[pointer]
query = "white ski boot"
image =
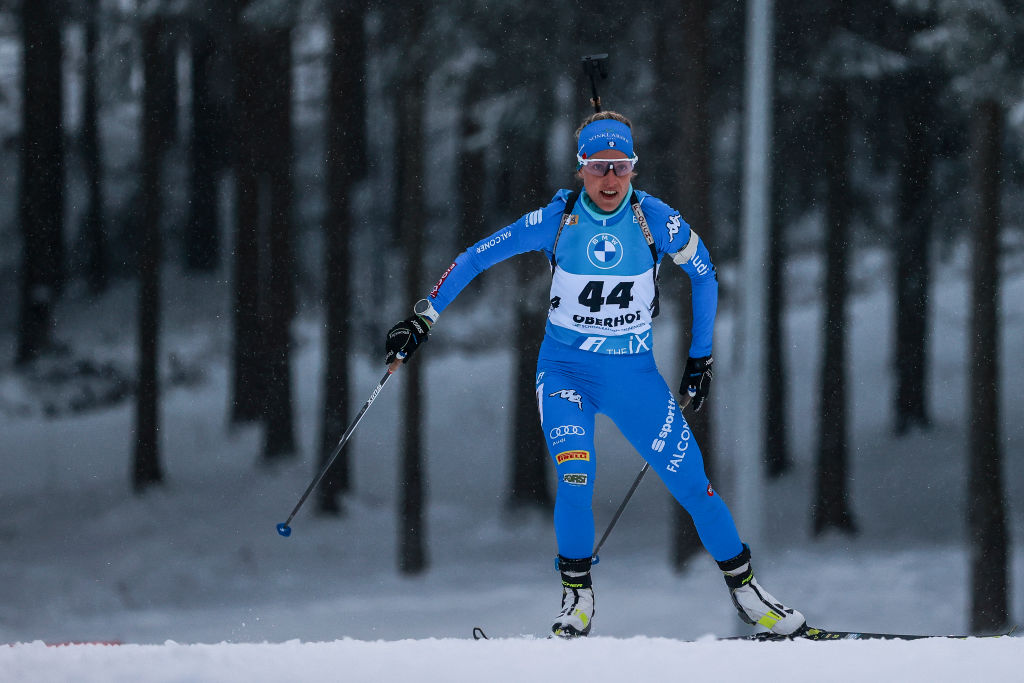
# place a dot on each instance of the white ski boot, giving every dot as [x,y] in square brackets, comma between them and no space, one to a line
[577,613]
[756,605]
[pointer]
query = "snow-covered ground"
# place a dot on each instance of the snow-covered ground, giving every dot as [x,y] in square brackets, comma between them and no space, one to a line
[194,581]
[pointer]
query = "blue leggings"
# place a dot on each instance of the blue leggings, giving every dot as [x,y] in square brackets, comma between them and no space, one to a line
[573,386]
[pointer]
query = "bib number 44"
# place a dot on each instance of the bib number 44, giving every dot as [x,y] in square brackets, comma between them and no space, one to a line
[593,297]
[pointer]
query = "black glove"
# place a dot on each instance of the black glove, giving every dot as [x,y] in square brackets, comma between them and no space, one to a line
[697,380]
[404,338]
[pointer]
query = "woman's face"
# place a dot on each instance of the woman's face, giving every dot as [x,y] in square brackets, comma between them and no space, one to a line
[606,191]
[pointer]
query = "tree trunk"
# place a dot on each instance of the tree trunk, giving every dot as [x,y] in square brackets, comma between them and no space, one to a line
[279,290]
[776,426]
[248,380]
[202,234]
[147,470]
[41,197]
[689,60]
[472,169]
[412,488]
[529,486]
[346,156]
[913,267]
[97,270]
[986,516]
[831,507]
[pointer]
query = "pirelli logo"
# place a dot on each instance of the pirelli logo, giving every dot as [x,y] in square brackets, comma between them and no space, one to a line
[566,456]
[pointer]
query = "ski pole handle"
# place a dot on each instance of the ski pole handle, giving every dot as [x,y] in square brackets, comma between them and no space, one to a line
[397,362]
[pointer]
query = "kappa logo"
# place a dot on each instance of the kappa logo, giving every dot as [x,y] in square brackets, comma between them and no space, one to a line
[569,395]
[604,251]
[566,456]
[673,225]
[567,430]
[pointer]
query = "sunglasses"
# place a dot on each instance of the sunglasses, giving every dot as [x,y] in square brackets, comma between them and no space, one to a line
[600,167]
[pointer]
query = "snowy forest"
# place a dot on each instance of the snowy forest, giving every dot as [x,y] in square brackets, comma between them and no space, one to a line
[212,212]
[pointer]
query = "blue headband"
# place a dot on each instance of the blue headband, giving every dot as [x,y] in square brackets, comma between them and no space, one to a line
[605,134]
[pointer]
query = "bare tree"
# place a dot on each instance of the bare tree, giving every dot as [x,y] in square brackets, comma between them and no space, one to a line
[980,45]
[686,49]
[986,513]
[346,157]
[264,258]
[278,291]
[529,485]
[41,207]
[212,34]
[412,487]
[93,229]
[156,135]
[831,507]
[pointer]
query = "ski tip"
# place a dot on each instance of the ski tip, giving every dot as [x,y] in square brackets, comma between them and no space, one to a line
[284,529]
[478,634]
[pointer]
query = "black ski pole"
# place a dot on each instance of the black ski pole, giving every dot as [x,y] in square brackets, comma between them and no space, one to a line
[594,66]
[283,527]
[629,494]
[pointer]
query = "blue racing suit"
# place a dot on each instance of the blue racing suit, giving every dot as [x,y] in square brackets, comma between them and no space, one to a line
[596,355]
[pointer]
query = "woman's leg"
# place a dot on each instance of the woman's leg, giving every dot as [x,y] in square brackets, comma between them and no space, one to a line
[647,413]
[567,418]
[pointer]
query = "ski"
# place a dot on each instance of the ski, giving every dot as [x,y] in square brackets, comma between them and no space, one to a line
[810,633]
[818,634]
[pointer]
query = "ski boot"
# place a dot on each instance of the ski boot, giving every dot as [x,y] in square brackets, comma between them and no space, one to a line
[574,620]
[756,605]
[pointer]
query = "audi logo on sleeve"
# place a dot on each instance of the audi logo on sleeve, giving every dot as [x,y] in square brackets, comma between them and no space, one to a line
[567,430]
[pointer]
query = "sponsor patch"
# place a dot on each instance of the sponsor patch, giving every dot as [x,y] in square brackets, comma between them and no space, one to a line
[569,395]
[711,491]
[566,456]
[575,479]
[497,239]
[672,225]
[566,430]
[604,251]
[444,276]
[573,219]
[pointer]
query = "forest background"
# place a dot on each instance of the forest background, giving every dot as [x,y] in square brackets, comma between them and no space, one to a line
[327,160]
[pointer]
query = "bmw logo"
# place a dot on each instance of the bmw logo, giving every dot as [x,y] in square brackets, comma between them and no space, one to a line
[604,251]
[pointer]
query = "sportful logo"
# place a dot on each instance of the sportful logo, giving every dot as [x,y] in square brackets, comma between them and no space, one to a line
[604,251]
[534,217]
[666,429]
[567,430]
[569,395]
